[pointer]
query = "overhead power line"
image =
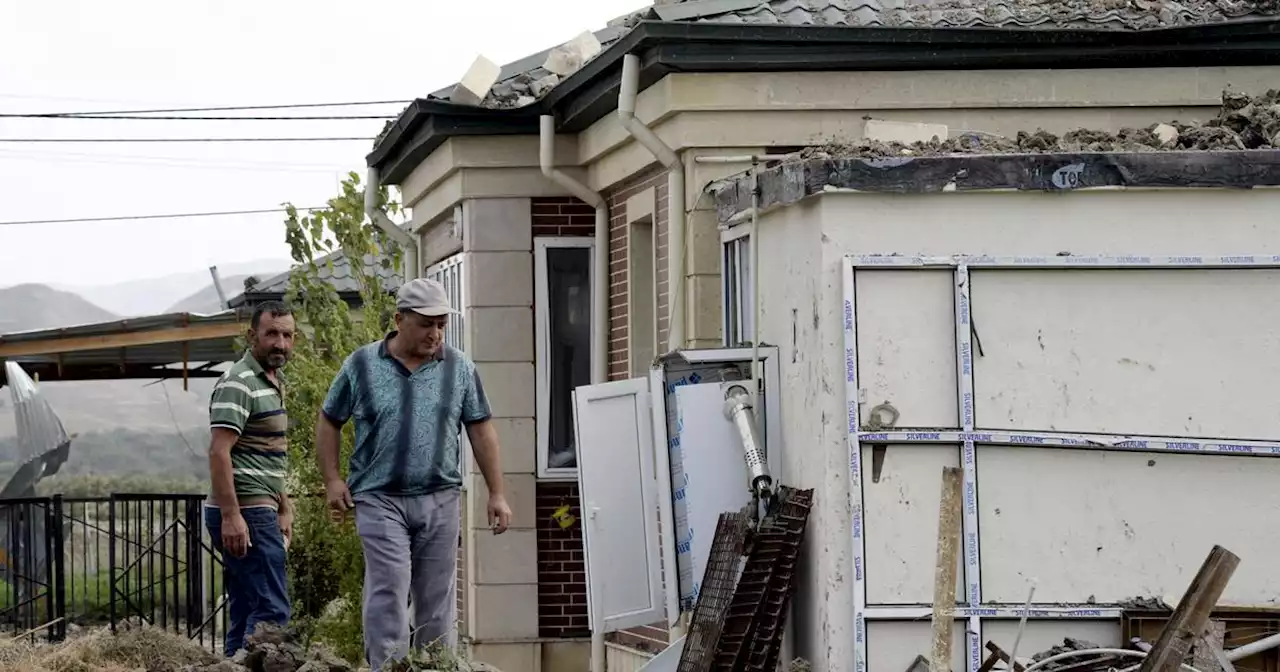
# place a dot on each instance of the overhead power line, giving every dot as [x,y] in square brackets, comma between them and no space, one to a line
[183,215]
[229,108]
[71,140]
[139,117]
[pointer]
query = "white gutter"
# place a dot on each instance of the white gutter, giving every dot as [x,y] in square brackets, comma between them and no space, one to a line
[373,209]
[675,196]
[600,264]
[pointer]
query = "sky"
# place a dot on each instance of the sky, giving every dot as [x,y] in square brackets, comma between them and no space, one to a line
[90,55]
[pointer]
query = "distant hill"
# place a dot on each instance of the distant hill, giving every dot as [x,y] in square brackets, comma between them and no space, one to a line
[152,296]
[25,307]
[206,300]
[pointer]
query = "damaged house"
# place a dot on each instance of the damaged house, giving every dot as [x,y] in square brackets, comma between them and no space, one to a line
[947,270]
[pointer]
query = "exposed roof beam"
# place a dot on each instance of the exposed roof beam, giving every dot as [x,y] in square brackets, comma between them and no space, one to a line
[56,345]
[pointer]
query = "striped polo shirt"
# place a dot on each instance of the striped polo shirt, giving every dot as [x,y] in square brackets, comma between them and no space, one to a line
[407,422]
[246,402]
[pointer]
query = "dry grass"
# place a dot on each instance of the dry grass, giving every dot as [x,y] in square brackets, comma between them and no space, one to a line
[147,649]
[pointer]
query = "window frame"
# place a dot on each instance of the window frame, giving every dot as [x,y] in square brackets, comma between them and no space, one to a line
[542,333]
[447,271]
[736,287]
[452,273]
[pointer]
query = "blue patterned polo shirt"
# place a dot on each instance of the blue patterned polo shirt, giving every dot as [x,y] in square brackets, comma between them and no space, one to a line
[407,423]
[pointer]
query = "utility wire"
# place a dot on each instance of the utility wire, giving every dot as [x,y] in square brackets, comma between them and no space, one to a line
[183,215]
[69,140]
[296,106]
[138,117]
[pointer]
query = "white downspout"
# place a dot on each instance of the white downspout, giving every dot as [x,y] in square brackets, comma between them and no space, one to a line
[600,307]
[675,197]
[373,209]
[600,264]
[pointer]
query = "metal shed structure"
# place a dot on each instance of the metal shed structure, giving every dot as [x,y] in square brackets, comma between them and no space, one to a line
[175,345]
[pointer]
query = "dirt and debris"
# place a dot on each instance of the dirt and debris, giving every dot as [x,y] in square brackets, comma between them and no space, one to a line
[144,648]
[98,650]
[1243,122]
[1145,604]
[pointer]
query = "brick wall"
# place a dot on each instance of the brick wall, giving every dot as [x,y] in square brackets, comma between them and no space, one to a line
[651,638]
[562,587]
[618,291]
[563,216]
[562,578]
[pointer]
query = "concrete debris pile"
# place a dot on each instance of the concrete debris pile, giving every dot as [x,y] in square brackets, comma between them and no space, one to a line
[482,86]
[1243,122]
[274,649]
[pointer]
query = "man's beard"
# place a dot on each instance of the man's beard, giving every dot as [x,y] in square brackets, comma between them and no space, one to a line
[276,359]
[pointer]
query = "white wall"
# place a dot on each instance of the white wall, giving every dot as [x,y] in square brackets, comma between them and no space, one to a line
[1183,353]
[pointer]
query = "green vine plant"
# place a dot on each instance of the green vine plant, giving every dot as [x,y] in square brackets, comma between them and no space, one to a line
[326,563]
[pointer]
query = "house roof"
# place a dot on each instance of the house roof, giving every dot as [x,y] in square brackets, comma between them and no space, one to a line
[842,35]
[1086,14]
[334,268]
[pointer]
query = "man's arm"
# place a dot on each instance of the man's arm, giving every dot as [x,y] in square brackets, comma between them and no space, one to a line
[334,412]
[328,442]
[484,445]
[228,413]
[477,416]
[224,486]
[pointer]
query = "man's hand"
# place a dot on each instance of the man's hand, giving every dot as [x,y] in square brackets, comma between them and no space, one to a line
[286,527]
[499,514]
[339,498]
[235,534]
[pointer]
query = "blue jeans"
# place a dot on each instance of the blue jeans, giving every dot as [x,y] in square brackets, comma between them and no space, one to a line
[256,585]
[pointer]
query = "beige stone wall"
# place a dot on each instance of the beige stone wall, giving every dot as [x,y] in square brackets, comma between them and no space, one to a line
[503,581]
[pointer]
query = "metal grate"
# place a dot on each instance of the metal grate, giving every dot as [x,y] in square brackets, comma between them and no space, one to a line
[752,631]
[718,583]
[452,274]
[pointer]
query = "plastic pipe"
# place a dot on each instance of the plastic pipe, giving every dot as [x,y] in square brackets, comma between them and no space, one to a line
[629,89]
[600,261]
[373,209]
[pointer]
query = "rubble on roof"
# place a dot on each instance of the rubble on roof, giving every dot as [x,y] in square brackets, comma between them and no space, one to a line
[1243,122]
[1084,14]
[476,82]
[565,59]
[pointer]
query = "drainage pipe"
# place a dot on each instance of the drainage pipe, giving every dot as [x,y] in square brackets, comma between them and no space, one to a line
[373,209]
[644,135]
[600,261]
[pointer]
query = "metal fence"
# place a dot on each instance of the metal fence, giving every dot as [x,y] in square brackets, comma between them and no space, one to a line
[114,560]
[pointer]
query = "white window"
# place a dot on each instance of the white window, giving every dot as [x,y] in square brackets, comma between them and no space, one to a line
[451,273]
[739,286]
[562,323]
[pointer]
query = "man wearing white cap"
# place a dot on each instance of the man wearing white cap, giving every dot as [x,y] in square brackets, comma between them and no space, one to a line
[410,395]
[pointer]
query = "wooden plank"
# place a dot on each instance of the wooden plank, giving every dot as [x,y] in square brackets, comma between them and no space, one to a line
[1191,617]
[944,575]
[55,345]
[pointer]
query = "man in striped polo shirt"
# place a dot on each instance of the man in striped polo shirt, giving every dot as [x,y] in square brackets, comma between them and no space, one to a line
[248,513]
[410,395]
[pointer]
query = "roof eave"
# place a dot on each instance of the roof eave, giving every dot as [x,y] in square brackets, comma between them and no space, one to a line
[591,93]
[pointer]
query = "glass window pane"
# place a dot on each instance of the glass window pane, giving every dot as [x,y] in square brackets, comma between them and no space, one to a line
[569,345]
